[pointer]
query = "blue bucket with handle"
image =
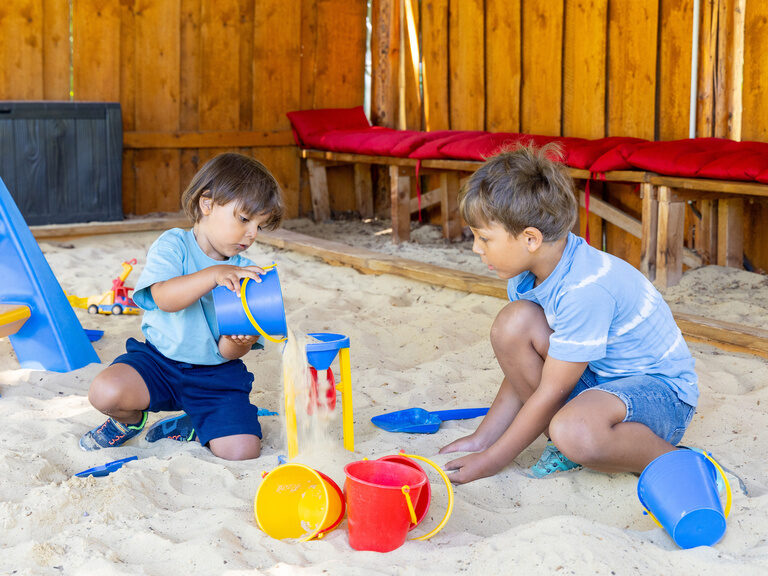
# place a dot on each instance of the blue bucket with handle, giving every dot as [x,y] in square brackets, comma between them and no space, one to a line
[679,491]
[256,308]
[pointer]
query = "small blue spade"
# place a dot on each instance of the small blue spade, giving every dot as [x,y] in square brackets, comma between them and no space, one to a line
[420,421]
[106,469]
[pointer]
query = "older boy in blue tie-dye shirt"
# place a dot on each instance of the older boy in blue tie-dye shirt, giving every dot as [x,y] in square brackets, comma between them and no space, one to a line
[590,352]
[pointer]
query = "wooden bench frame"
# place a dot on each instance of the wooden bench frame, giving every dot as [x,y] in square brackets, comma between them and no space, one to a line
[660,229]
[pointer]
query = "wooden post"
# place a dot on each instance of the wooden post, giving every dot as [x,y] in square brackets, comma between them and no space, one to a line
[400,195]
[730,69]
[364,190]
[730,233]
[385,54]
[318,188]
[669,247]
[649,230]
[449,205]
[706,235]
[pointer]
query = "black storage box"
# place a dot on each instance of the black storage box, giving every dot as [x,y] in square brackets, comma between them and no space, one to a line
[62,161]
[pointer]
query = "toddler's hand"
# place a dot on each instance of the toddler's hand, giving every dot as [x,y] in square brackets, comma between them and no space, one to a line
[242,340]
[230,276]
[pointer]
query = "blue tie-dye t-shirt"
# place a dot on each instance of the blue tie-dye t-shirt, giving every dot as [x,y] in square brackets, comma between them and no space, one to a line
[605,312]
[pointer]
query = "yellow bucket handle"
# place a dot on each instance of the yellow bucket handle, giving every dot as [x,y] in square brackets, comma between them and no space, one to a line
[728,493]
[247,311]
[406,490]
[448,487]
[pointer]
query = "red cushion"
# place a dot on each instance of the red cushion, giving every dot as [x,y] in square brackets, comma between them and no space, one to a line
[309,125]
[584,154]
[740,161]
[432,147]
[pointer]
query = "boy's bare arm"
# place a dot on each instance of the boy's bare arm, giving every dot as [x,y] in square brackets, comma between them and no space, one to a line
[557,380]
[232,347]
[505,407]
[178,293]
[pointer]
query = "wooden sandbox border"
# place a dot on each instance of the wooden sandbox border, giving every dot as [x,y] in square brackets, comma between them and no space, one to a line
[725,335]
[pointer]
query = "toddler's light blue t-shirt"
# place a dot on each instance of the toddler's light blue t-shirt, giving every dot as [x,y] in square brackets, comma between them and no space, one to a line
[605,312]
[189,335]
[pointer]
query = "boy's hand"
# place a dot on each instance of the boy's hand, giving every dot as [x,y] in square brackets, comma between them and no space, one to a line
[236,346]
[464,444]
[230,276]
[471,467]
[242,340]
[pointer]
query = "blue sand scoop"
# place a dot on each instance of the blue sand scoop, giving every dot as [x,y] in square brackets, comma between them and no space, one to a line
[106,469]
[420,421]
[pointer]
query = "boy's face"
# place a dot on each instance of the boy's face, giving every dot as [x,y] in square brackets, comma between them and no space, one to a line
[224,231]
[505,254]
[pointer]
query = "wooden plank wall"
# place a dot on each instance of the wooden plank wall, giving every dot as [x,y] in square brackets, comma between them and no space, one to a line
[591,68]
[193,77]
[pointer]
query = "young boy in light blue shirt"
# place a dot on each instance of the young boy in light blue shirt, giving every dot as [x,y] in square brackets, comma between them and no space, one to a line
[184,363]
[590,352]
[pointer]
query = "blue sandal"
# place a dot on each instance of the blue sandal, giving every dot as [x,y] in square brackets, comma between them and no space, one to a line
[551,461]
[177,428]
[111,434]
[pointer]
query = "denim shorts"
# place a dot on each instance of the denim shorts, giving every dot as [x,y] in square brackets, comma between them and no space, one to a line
[649,400]
[215,397]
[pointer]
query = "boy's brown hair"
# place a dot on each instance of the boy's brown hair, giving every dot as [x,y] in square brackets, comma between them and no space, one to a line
[235,177]
[519,188]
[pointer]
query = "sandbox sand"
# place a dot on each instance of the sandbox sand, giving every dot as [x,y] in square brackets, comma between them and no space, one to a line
[180,510]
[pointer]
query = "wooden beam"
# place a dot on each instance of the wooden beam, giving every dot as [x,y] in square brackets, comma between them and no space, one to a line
[349,158]
[427,199]
[705,185]
[730,233]
[706,236]
[727,335]
[318,187]
[363,190]
[612,214]
[385,65]
[400,197]
[206,139]
[649,234]
[121,227]
[371,262]
[449,205]
[669,245]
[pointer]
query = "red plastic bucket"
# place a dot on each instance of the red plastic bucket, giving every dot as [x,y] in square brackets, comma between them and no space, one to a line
[420,506]
[380,497]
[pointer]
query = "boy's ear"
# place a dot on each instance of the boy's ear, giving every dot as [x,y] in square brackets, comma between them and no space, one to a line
[206,204]
[533,238]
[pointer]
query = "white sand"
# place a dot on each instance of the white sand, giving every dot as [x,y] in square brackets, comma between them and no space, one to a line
[180,510]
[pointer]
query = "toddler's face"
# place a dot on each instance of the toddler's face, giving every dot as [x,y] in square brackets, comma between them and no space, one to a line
[224,231]
[504,254]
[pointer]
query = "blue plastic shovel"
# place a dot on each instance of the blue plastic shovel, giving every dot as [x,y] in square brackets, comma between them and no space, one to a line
[106,469]
[420,421]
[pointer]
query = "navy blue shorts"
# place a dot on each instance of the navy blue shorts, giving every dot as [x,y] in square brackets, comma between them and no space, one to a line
[214,397]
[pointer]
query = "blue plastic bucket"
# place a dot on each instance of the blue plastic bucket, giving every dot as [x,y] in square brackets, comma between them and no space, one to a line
[679,490]
[257,308]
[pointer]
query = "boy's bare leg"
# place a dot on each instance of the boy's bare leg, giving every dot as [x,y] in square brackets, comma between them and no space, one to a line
[520,340]
[590,430]
[119,392]
[236,447]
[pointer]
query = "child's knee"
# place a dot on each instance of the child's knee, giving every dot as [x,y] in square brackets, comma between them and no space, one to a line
[105,391]
[518,321]
[574,437]
[242,447]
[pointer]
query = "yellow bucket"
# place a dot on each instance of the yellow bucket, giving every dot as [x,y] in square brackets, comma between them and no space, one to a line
[296,501]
